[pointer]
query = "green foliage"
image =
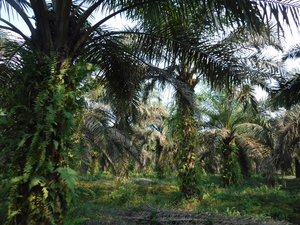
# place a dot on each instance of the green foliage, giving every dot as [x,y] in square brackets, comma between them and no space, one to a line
[159,171]
[37,139]
[97,199]
[250,199]
[231,168]
[130,166]
[68,176]
[185,135]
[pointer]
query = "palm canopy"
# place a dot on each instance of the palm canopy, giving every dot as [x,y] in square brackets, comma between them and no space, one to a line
[101,132]
[222,59]
[62,24]
[65,27]
[287,91]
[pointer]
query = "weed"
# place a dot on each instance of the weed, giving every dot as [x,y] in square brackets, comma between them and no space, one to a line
[232,212]
[278,214]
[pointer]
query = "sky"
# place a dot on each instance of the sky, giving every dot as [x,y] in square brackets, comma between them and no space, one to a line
[118,22]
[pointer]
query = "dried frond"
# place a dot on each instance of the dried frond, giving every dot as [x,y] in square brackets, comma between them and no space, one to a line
[252,147]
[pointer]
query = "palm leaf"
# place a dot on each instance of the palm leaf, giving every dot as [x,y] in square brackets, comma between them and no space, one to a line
[288,91]
[288,139]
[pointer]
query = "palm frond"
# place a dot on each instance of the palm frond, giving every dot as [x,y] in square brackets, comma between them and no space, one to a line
[288,140]
[292,52]
[252,147]
[257,132]
[86,158]
[288,91]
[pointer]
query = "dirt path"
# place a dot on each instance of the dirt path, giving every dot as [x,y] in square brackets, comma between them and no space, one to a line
[152,216]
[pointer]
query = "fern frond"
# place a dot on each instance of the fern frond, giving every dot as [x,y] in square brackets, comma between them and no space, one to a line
[37,180]
[68,175]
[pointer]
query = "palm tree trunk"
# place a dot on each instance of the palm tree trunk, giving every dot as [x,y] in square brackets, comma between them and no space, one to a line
[95,165]
[159,167]
[103,163]
[50,126]
[187,170]
[187,132]
[33,198]
[231,166]
[297,165]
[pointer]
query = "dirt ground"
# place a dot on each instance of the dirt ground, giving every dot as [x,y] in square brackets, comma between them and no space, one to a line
[153,216]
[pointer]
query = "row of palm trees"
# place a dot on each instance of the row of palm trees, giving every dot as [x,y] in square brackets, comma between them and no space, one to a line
[44,75]
[264,143]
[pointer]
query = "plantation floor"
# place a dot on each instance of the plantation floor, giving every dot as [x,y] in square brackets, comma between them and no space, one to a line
[154,201]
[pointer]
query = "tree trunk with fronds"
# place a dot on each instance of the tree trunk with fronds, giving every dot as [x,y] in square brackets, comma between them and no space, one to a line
[187,172]
[42,138]
[44,102]
[231,167]
[187,136]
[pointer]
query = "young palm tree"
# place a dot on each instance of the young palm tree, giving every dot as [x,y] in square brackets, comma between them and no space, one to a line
[152,129]
[237,133]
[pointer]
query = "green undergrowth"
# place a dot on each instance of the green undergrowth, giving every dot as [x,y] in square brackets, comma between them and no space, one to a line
[252,198]
[3,207]
[98,198]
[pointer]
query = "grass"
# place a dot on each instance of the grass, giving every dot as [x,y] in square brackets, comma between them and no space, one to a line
[253,198]
[100,197]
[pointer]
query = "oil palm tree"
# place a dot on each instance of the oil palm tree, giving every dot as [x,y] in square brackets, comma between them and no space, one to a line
[142,140]
[152,129]
[101,130]
[51,68]
[240,136]
[52,62]
[287,140]
[233,62]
